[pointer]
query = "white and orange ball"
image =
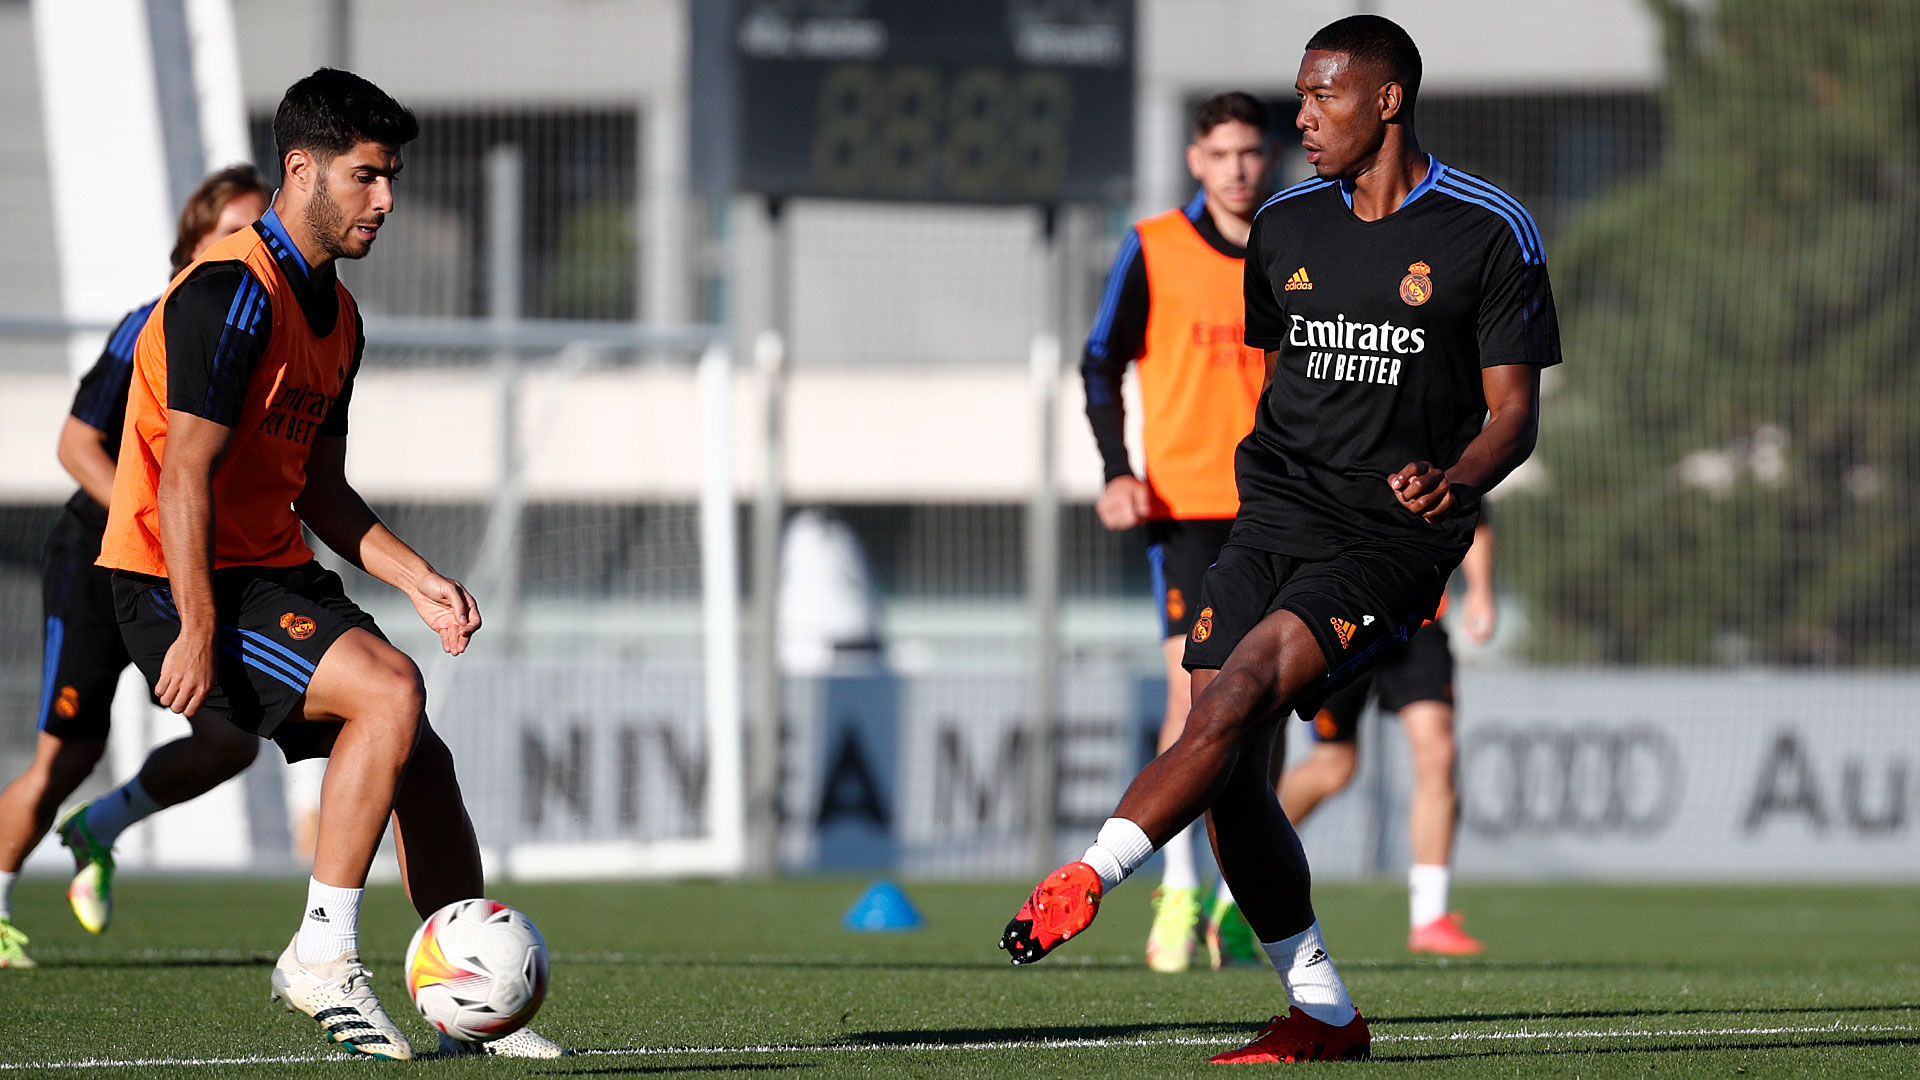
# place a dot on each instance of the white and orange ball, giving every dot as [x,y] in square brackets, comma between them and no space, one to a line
[477,970]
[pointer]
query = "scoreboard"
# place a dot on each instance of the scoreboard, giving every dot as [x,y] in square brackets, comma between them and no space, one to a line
[990,101]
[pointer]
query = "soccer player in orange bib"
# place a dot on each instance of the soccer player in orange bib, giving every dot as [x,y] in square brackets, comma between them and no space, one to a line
[1405,312]
[235,438]
[84,651]
[1172,307]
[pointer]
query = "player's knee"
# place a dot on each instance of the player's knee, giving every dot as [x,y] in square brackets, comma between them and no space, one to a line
[1336,769]
[397,691]
[1434,764]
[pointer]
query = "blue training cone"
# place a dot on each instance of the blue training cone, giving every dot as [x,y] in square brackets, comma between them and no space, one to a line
[882,907]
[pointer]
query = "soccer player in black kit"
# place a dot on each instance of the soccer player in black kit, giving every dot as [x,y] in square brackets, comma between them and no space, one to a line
[1405,313]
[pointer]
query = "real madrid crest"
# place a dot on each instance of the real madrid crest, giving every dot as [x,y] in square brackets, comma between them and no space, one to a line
[1417,288]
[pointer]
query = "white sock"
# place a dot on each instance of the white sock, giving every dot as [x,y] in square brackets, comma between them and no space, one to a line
[109,815]
[1179,872]
[1118,851]
[331,925]
[1427,886]
[1223,894]
[6,893]
[1307,972]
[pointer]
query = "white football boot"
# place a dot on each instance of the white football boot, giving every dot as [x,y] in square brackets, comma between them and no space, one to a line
[339,994]
[525,1043]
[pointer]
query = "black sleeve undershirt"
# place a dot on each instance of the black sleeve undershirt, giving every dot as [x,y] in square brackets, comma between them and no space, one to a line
[217,325]
[1119,335]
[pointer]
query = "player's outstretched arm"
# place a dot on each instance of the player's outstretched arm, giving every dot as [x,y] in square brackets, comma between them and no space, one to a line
[344,522]
[185,497]
[1513,423]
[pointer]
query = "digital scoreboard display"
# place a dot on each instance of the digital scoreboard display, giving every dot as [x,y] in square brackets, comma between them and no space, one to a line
[991,101]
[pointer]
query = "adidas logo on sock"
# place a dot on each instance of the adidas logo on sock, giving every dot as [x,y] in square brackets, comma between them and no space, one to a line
[318,914]
[1319,957]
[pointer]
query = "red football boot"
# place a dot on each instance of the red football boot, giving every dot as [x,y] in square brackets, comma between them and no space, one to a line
[1060,907]
[1299,1037]
[1443,937]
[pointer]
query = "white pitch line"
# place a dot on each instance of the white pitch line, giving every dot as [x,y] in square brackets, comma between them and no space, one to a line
[1008,1044]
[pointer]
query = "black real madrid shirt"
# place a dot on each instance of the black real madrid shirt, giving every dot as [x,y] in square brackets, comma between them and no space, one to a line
[1382,328]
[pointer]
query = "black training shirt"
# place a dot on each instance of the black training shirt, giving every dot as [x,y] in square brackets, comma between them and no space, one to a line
[1382,329]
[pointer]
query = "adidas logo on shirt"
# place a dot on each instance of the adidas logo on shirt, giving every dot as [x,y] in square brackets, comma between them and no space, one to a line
[1299,281]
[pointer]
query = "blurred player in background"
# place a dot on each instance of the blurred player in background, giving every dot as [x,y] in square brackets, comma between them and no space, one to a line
[1172,306]
[84,653]
[1414,680]
[1405,312]
[235,439]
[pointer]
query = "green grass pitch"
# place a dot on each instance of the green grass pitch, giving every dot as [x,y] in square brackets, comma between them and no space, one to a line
[716,977]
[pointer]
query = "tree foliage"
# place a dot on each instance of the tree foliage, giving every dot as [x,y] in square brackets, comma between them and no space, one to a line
[1727,449]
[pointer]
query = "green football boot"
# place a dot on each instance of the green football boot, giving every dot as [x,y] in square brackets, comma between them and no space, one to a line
[1229,939]
[91,893]
[1176,918]
[13,946]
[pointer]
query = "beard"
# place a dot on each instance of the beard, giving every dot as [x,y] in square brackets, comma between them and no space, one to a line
[328,224]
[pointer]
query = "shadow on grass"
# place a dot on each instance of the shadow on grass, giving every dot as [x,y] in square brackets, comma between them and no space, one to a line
[653,1070]
[136,963]
[1617,1014]
[1030,1034]
[828,963]
[1861,1042]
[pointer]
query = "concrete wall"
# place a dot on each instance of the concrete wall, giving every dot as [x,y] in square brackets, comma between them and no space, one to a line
[28,281]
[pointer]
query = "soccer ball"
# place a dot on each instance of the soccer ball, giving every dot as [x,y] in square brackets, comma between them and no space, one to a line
[477,970]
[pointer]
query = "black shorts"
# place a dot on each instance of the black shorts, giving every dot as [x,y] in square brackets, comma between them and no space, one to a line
[1420,670]
[275,623]
[1357,605]
[1179,553]
[84,654]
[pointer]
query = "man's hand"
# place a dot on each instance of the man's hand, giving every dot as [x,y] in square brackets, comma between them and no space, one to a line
[186,674]
[1478,615]
[1423,489]
[1124,503]
[447,609]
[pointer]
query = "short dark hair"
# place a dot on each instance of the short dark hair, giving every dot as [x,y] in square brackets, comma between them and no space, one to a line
[331,110]
[1374,40]
[205,205]
[1226,108]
